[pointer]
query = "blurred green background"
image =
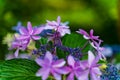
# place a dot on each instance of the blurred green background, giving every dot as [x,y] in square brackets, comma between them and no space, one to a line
[101,15]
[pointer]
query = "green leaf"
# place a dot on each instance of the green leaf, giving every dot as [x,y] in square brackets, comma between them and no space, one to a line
[74,40]
[18,69]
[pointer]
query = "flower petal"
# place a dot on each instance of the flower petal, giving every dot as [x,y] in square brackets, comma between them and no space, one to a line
[40,62]
[43,72]
[96,70]
[56,76]
[38,30]
[63,70]
[71,76]
[94,76]
[48,56]
[91,58]
[29,27]
[59,63]
[71,60]
[83,32]
[16,53]
[23,31]
[91,32]
[36,37]
[83,75]
[58,19]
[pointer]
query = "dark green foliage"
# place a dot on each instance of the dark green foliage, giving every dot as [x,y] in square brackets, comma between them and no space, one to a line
[18,69]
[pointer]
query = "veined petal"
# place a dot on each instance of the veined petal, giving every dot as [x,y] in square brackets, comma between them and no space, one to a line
[59,63]
[23,31]
[71,61]
[70,76]
[36,37]
[29,27]
[91,58]
[49,56]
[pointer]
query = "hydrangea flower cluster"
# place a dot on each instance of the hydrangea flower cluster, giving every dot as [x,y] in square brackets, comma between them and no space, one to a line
[73,66]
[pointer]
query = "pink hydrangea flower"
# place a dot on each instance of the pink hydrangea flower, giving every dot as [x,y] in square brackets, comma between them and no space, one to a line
[58,26]
[49,66]
[30,32]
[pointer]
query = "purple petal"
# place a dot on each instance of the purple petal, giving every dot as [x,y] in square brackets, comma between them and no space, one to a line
[29,27]
[56,76]
[83,32]
[49,56]
[91,58]
[23,31]
[38,30]
[63,70]
[94,76]
[16,53]
[36,37]
[70,76]
[51,23]
[59,63]
[49,27]
[83,75]
[84,64]
[71,61]
[43,72]
[96,70]
[40,62]
[91,32]
[58,19]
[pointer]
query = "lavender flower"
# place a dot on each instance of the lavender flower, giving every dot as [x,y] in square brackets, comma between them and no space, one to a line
[92,68]
[49,66]
[19,45]
[30,32]
[58,26]
[74,69]
[90,36]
